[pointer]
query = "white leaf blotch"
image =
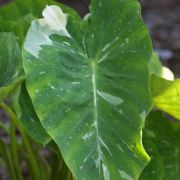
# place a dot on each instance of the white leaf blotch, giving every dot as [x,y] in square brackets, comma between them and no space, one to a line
[110,98]
[120,148]
[87,136]
[105,172]
[124,175]
[56,19]
[103,144]
[54,22]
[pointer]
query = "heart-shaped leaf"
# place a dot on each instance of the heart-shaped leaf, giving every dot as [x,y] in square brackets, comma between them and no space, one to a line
[88,82]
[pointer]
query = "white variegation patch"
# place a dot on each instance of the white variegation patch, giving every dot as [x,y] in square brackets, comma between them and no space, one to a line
[105,172]
[125,175]
[110,98]
[54,22]
[56,19]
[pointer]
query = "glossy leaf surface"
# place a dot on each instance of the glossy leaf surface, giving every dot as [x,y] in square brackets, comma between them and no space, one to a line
[89,86]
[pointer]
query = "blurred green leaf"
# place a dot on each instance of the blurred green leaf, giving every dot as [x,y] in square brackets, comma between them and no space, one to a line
[29,119]
[155,66]
[10,64]
[166,95]
[161,140]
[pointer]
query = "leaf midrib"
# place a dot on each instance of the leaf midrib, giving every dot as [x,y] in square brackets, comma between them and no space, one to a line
[94,84]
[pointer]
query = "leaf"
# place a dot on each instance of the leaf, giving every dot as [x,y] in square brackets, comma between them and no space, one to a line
[10,64]
[25,111]
[164,137]
[155,66]
[18,27]
[17,15]
[89,87]
[166,95]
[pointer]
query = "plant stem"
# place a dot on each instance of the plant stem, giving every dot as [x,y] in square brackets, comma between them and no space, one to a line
[8,159]
[3,126]
[14,151]
[32,159]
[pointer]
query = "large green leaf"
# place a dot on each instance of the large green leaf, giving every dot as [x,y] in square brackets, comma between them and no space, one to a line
[164,148]
[166,95]
[10,64]
[89,87]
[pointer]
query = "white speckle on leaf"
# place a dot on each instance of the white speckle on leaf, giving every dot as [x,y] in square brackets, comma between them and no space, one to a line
[126,145]
[143,116]
[109,44]
[110,98]
[105,172]
[87,136]
[127,40]
[122,45]
[72,51]
[75,83]
[106,46]
[150,133]
[42,72]
[124,175]
[120,111]
[103,58]
[51,86]
[37,90]
[32,120]
[99,159]
[168,166]
[104,144]
[66,43]
[120,148]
